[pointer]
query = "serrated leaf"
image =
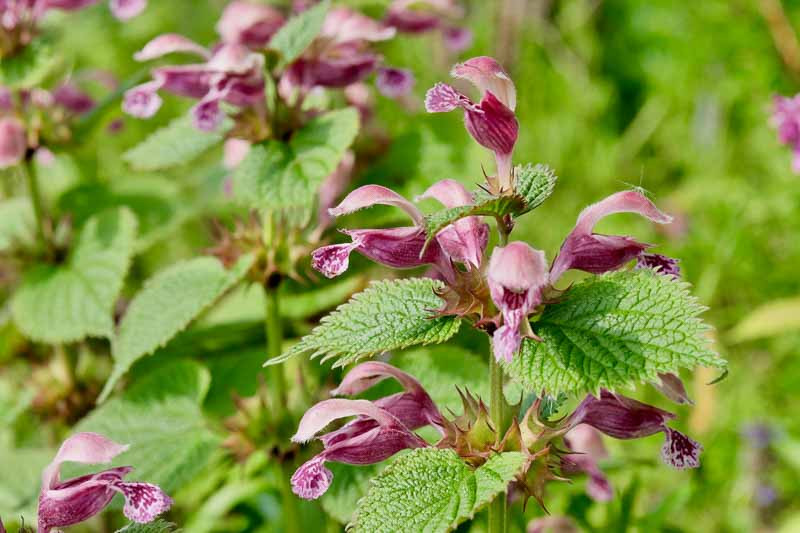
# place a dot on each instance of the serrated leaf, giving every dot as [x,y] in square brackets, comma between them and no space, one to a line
[432,490]
[387,316]
[296,35]
[177,143]
[283,177]
[485,205]
[166,305]
[161,419]
[156,526]
[68,302]
[614,331]
[30,66]
[534,184]
[17,224]
[773,318]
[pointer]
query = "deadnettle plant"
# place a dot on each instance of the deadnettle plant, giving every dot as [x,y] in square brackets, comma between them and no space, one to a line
[67,502]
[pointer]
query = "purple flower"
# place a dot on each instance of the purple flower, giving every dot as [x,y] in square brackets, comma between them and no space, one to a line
[394,82]
[121,9]
[403,247]
[74,100]
[517,274]
[625,418]
[491,122]
[64,503]
[588,448]
[248,23]
[232,74]
[13,143]
[387,437]
[457,39]
[595,253]
[671,386]
[786,118]
[417,16]
[338,57]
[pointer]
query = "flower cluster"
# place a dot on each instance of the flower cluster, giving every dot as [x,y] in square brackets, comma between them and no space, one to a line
[415,16]
[67,502]
[19,18]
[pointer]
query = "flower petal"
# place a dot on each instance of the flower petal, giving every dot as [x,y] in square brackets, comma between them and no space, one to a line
[87,448]
[325,412]
[492,125]
[169,43]
[442,98]
[249,23]
[13,143]
[680,451]
[621,202]
[312,479]
[346,25]
[457,39]
[367,375]
[620,417]
[667,266]
[370,195]
[394,82]
[671,386]
[334,259]
[143,100]
[143,501]
[487,75]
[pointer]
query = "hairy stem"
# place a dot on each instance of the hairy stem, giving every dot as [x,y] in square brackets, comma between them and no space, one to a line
[497,408]
[36,199]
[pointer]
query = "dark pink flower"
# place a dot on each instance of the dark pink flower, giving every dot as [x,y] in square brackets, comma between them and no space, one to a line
[517,274]
[387,437]
[625,418]
[64,503]
[249,23]
[595,253]
[671,386]
[491,122]
[73,99]
[121,9]
[417,16]
[394,82]
[457,39]
[786,119]
[668,266]
[13,143]
[394,247]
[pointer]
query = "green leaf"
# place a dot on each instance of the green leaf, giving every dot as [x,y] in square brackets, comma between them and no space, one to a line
[166,305]
[352,481]
[534,184]
[160,418]
[30,66]
[432,490]
[177,143]
[296,35]
[285,177]
[19,486]
[773,318]
[485,205]
[66,303]
[387,316]
[17,224]
[613,331]
[157,526]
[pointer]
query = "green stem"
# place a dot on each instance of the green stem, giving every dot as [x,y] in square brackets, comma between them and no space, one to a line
[497,408]
[36,199]
[274,332]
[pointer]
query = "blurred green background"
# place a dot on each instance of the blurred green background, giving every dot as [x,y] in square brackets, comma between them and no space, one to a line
[671,96]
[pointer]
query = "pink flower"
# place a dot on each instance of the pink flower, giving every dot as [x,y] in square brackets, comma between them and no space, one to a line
[417,16]
[64,503]
[381,429]
[625,418]
[457,39]
[232,74]
[404,247]
[394,82]
[491,122]
[517,274]
[249,23]
[596,253]
[13,143]
[667,266]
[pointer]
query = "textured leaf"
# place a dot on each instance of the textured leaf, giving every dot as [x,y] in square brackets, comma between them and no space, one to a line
[175,144]
[773,318]
[30,66]
[387,316]
[485,205]
[169,301]
[17,225]
[535,184]
[298,32]
[613,331]
[66,303]
[285,177]
[160,418]
[432,490]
